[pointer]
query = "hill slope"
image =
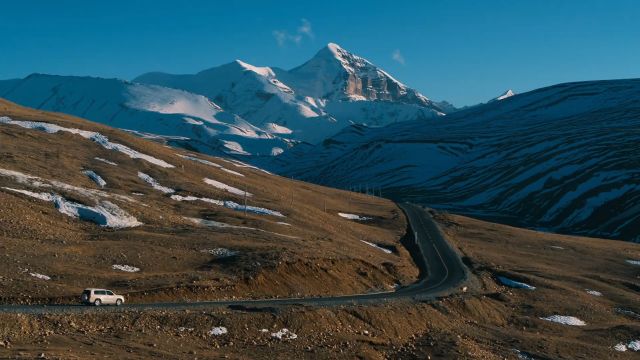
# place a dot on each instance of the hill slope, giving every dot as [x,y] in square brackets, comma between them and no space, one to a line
[559,158]
[86,205]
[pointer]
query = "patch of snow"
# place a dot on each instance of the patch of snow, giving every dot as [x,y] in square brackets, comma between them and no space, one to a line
[218,330]
[354,217]
[38,182]
[264,330]
[253,209]
[515,284]
[593,292]
[95,177]
[195,198]
[104,213]
[377,247]
[284,334]
[226,187]
[154,184]
[523,355]
[40,276]
[220,253]
[106,161]
[137,193]
[276,151]
[632,345]
[283,223]
[90,135]
[620,347]
[125,268]
[507,94]
[557,247]
[182,329]
[234,147]
[222,225]
[41,196]
[231,172]
[202,161]
[241,164]
[276,129]
[565,320]
[633,262]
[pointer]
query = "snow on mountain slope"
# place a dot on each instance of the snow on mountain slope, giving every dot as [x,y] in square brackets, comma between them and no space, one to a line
[560,158]
[315,100]
[507,94]
[336,74]
[145,109]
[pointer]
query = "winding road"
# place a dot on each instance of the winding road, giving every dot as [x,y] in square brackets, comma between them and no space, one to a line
[441,271]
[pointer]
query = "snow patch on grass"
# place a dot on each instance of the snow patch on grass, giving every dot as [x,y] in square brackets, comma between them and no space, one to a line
[232,172]
[104,213]
[514,284]
[377,247]
[202,161]
[90,135]
[40,276]
[95,177]
[38,182]
[220,253]
[154,184]
[283,223]
[633,345]
[284,334]
[221,225]
[225,187]
[633,262]
[125,268]
[565,320]
[218,330]
[593,292]
[354,217]
[106,161]
[195,198]
[253,209]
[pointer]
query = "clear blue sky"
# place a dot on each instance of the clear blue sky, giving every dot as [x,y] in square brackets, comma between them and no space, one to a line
[461,51]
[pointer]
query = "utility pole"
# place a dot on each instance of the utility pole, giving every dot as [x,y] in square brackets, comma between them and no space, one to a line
[245,201]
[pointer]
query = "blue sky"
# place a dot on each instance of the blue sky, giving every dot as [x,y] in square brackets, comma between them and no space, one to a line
[461,51]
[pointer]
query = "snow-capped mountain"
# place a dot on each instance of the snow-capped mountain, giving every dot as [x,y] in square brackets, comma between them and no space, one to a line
[315,100]
[180,117]
[561,158]
[507,94]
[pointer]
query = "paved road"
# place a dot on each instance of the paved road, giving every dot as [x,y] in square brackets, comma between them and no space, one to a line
[441,272]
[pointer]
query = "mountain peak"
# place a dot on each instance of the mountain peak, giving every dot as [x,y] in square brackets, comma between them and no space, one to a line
[260,70]
[507,94]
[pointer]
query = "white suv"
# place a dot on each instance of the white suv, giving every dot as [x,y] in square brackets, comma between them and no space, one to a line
[98,297]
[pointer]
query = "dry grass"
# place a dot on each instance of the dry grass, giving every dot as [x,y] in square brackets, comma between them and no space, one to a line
[326,256]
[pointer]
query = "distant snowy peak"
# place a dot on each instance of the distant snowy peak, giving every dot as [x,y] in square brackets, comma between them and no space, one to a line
[507,94]
[336,74]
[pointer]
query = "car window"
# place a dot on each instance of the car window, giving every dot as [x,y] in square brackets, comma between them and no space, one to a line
[109,292]
[100,292]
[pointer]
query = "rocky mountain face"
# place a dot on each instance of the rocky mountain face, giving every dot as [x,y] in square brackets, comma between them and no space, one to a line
[558,159]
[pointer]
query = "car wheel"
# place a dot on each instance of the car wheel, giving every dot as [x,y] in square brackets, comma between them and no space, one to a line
[97,302]
[118,302]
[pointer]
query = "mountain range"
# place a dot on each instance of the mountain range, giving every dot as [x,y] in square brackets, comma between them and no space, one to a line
[559,159]
[235,109]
